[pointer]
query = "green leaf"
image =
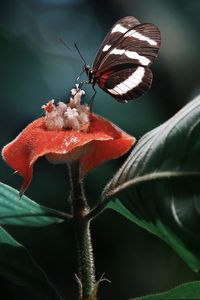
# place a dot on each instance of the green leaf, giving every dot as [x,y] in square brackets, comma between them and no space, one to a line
[187,291]
[17,265]
[159,184]
[23,211]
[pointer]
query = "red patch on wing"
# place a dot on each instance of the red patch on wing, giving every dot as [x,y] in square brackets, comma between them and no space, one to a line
[103,78]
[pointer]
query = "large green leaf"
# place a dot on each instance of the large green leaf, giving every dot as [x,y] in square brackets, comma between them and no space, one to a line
[187,291]
[159,184]
[17,265]
[23,211]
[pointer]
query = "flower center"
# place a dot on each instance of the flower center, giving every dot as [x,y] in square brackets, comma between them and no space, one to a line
[73,115]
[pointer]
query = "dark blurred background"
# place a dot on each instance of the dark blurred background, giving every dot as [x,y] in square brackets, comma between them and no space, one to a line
[36,67]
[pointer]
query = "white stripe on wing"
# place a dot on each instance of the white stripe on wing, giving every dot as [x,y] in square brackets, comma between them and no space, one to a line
[132,54]
[119,28]
[128,84]
[106,47]
[133,33]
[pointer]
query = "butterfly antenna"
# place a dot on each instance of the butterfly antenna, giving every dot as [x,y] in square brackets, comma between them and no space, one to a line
[81,56]
[63,42]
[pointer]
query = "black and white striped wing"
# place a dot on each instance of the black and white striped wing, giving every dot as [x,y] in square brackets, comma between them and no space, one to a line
[121,67]
[113,37]
[137,46]
[127,84]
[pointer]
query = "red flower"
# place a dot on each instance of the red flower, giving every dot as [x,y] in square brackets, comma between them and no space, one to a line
[91,140]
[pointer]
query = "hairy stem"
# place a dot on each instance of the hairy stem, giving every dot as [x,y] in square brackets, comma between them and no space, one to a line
[85,278]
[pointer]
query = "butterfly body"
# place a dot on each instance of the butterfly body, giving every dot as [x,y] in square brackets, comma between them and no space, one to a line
[121,66]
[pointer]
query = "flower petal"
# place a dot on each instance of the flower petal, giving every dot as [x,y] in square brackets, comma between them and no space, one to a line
[101,142]
[100,152]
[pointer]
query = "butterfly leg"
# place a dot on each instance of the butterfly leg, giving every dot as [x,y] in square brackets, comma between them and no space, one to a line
[92,98]
[77,79]
[79,85]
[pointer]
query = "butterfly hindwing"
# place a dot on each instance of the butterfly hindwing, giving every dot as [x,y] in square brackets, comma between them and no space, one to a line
[126,84]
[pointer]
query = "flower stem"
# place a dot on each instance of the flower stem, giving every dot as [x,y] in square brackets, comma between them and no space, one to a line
[86,277]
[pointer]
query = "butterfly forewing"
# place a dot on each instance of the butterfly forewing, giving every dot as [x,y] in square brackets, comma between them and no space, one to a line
[138,46]
[113,37]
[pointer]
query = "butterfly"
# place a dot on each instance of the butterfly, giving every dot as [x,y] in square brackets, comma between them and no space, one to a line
[121,65]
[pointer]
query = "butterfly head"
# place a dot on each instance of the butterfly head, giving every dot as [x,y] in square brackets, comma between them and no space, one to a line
[90,73]
[86,69]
